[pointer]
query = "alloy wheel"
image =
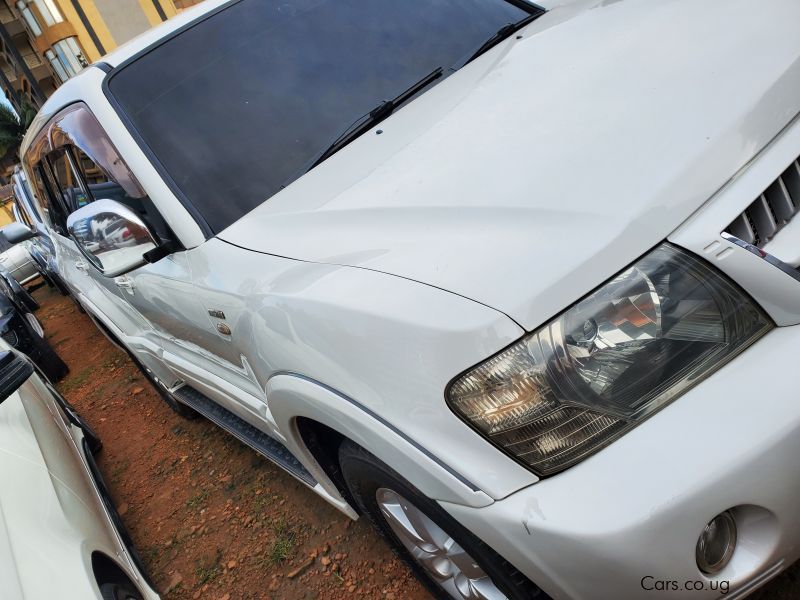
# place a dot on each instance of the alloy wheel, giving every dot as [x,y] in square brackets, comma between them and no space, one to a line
[435,551]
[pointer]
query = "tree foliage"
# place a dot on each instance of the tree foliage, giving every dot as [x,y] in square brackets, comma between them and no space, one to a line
[13,127]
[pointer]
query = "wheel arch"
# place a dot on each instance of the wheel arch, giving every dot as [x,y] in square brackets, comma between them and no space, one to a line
[314,419]
[107,570]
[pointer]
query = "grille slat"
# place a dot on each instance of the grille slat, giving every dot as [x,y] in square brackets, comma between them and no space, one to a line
[778,198]
[741,229]
[764,222]
[771,211]
[792,180]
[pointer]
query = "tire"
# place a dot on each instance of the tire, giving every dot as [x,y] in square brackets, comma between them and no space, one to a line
[369,480]
[119,591]
[28,301]
[51,364]
[93,441]
[181,409]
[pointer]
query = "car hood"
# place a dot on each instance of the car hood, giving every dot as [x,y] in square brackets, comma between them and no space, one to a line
[45,504]
[553,161]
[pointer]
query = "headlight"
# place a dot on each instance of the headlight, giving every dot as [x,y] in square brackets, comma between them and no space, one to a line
[609,362]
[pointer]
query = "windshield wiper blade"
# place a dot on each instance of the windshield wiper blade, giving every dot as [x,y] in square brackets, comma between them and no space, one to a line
[503,33]
[375,116]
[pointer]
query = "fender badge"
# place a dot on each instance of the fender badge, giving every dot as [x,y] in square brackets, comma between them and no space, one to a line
[223,329]
[217,314]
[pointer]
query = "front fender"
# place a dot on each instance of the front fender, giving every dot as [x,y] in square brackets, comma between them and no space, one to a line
[290,396]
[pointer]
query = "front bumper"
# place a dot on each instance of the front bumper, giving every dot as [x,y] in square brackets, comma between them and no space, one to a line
[629,517]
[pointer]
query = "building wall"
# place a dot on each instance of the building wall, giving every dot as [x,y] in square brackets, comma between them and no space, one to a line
[123,18]
[102,25]
[51,40]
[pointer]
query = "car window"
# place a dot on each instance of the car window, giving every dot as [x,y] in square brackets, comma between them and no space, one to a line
[25,198]
[100,184]
[53,212]
[238,105]
[22,211]
[85,167]
[69,184]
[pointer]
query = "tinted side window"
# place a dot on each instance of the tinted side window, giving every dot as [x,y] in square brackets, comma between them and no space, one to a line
[22,211]
[53,212]
[73,162]
[102,185]
[70,187]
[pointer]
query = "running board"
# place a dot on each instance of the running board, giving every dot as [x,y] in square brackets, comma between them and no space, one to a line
[258,440]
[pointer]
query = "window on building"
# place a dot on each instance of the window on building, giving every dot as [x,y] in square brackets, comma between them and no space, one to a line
[30,18]
[61,72]
[66,58]
[49,12]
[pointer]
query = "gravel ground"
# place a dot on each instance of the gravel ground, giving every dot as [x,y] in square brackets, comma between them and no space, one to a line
[210,517]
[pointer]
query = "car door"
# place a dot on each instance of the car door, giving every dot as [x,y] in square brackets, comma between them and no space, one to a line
[154,308]
[70,261]
[102,296]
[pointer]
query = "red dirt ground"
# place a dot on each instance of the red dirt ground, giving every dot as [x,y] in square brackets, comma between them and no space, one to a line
[210,517]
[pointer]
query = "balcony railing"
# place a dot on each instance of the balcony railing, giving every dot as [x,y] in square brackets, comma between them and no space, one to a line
[6,16]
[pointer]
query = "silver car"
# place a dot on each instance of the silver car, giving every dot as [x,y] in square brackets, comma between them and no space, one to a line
[18,261]
[60,536]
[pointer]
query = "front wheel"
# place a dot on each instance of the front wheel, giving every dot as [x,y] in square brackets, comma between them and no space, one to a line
[449,560]
[28,301]
[119,591]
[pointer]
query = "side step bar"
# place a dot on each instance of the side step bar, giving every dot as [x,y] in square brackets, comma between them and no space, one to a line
[258,440]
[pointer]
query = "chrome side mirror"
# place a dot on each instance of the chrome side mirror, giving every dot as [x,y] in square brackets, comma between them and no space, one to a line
[17,232]
[111,236]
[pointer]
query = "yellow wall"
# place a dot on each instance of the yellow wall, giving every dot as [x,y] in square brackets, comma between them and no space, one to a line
[99,26]
[6,216]
[101,29]
[152,14]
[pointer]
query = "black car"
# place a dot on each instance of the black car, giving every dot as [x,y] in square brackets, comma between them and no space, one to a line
[14,290]
[22,330]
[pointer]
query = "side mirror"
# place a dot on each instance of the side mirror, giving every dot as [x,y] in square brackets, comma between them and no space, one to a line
[111,236]
[17,232]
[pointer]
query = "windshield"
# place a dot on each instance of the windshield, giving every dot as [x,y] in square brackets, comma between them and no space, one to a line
[237,105]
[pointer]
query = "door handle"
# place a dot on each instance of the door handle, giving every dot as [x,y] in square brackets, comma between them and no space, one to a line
[81,266]
[125,283]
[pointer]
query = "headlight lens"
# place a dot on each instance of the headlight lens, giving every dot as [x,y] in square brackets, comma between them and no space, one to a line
[603,366]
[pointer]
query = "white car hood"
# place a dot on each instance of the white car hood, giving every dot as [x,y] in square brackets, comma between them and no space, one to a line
[543,168]
[46,506]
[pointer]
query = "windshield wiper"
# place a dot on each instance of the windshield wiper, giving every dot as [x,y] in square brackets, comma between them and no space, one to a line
[375,116]
[503,33]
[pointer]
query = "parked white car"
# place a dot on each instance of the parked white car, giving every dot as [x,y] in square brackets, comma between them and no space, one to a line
[518,283]
[60,535]
[19,263]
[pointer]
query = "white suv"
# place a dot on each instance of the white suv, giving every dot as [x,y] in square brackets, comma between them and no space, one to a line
[499,276]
